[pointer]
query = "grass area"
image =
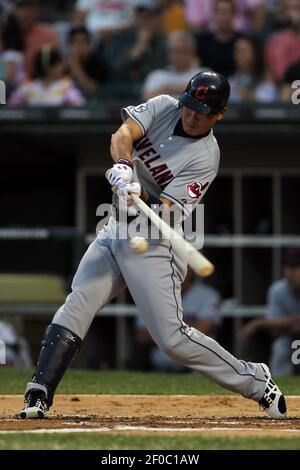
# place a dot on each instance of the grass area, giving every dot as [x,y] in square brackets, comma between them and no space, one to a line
[118,442]
[12,381]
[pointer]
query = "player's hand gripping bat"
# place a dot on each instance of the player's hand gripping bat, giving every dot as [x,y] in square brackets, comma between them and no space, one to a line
[200,265]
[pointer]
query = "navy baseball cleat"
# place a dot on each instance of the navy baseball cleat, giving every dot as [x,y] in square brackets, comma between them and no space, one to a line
[272,401]
[35,405]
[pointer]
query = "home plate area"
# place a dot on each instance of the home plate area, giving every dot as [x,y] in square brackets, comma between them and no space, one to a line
[152,413]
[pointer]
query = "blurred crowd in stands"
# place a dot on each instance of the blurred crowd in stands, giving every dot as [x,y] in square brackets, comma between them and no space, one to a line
[73,52]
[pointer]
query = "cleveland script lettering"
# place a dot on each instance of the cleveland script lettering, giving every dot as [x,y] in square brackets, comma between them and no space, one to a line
[161,173]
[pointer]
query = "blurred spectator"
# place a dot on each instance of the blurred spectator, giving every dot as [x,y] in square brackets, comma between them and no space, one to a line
[283,12]
[250,15]
[282,324]
[35,34]
[11,35]
[12,70]
[49,87]
[183,65]
[131,54]
[12,59]
[282,49]
[85,66]
[5,9]
[198,14]
[292,75]
[17,353]
[276,13]
[215,48]
[105,15]
[200,304]
[148,47]
[273,5]
[172,16]
[250,81]
[275,18]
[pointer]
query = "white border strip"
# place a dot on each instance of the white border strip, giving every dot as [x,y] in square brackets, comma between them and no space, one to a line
[142,428]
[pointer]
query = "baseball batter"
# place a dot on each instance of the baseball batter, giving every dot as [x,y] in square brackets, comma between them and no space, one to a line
[166,153]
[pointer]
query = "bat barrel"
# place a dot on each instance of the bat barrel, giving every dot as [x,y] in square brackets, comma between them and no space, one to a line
[201,265]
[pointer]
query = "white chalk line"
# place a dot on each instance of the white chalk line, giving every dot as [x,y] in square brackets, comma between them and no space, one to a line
[142,428]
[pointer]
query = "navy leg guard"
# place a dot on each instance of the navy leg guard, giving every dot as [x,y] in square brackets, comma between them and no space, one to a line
[59,348]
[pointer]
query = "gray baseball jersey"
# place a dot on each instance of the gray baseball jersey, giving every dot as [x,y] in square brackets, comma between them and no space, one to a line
[180,169]
[169,165]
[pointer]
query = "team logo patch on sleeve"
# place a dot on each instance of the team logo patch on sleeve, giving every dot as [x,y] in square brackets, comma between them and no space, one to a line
[140,108]
[194,190]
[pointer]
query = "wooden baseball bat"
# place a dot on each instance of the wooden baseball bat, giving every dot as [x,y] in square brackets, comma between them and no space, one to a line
[184,249]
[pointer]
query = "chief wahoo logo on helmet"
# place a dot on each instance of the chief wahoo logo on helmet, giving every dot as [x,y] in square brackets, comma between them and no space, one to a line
[206,93]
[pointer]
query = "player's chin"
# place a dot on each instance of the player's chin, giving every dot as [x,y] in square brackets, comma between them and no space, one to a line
[193,130]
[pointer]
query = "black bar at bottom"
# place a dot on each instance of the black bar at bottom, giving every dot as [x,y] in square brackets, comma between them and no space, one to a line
[139,458]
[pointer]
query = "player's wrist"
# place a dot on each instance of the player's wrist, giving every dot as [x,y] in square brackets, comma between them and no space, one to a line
[144,195]
[125,161]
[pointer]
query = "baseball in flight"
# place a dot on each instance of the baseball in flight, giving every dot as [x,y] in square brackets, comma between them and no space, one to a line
[138,245]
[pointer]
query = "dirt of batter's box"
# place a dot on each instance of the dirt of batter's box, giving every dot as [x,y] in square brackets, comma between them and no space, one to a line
[151,411]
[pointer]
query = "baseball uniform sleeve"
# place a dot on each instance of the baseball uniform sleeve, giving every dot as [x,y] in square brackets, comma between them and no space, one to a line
[144,114]
[187,189]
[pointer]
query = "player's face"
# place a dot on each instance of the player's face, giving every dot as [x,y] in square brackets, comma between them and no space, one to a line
[292,274]
[195,123]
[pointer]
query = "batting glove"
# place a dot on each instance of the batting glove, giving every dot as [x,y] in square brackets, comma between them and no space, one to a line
[125,190]
[119,173]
